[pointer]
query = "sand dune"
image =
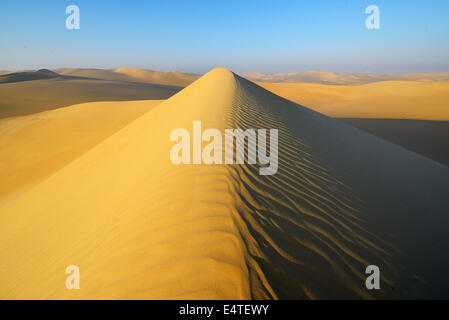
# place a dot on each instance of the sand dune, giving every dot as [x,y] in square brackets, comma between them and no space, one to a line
[184,79]
[132,74]
[325,77]
[139,226]
[386,100]
[167,78]
[34,146]
[22,98]
[103,74]
[29,76]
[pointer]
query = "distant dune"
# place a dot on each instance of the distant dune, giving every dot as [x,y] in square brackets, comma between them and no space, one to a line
[333,78]
[132,74]
[140,227]
[167,78]
[184,79]
[27,97]
[386,99]
[29,76]
[103,74]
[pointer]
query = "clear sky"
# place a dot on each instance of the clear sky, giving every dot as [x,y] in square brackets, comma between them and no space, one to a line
[242,35]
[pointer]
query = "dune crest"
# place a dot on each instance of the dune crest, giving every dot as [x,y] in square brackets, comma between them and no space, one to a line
[140,227]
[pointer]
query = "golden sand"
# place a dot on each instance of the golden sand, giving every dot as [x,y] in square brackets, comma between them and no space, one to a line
[386,99]
[140,227]
[34,146]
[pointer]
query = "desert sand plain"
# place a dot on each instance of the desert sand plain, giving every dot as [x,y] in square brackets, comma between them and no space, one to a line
[87,180]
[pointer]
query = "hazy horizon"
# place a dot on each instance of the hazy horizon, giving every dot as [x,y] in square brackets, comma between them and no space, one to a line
[236,71]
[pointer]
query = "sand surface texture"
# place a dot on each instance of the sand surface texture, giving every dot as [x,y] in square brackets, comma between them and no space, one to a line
[140,227]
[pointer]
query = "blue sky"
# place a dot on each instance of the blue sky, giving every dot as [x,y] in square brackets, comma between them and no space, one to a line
[242,35]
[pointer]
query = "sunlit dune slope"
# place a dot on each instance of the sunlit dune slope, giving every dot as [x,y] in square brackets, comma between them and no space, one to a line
[34,146]
[386,99]
[139,226]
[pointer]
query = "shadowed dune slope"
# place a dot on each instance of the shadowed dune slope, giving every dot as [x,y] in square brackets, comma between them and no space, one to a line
[139,226]
[429,138]
[22,98]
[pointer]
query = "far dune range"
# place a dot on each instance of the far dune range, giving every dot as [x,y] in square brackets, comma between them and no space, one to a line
[141,227]
[416,105]
[333,78]
[133,74]
[28,92]
[406,96]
